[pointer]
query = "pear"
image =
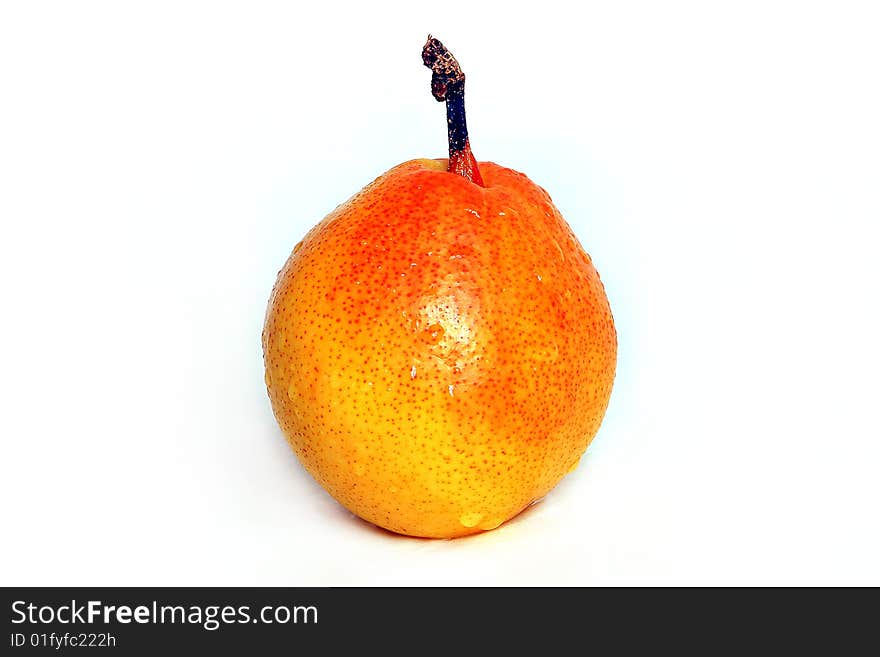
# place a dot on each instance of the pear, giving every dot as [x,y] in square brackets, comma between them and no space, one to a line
[439,350]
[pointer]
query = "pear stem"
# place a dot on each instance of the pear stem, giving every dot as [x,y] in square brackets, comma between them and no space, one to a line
[447,84]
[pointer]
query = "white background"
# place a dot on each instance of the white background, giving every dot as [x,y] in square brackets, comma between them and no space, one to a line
[720,161]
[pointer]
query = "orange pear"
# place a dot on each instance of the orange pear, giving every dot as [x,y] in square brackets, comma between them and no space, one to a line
[439,350]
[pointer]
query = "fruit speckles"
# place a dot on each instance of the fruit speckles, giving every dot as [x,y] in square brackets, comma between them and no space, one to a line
[467,386]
